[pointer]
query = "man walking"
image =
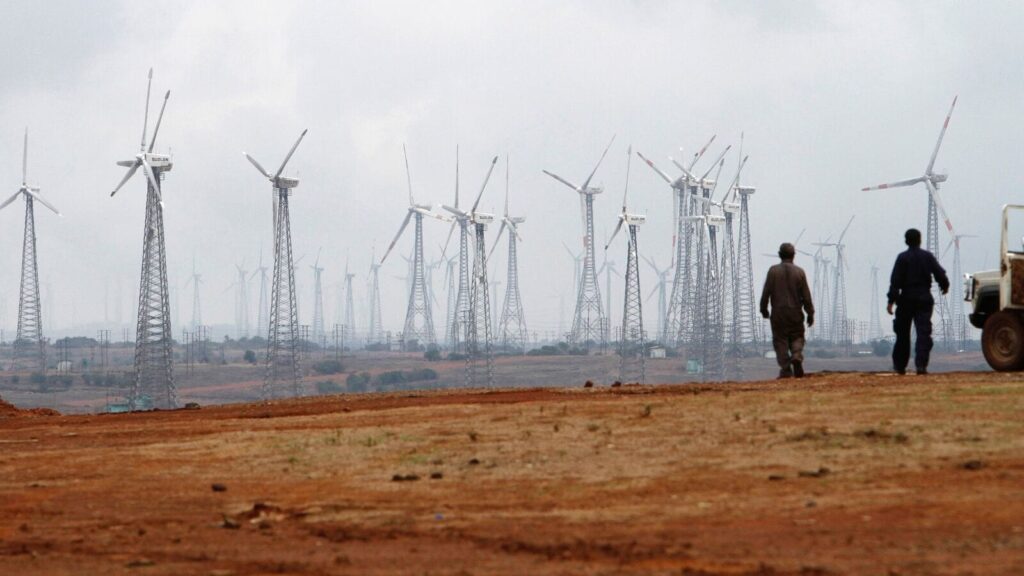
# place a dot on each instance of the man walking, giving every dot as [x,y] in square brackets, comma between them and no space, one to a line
[786,290]
[910,290]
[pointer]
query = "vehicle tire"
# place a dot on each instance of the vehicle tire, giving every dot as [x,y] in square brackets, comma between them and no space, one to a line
[1002,341]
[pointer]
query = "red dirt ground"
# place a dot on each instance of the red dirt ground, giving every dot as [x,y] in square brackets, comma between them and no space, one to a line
[835,474]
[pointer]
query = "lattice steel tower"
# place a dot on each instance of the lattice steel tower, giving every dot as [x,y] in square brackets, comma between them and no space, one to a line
[419,321]
[632,339]
[283,352]
[748,321]
[588,323]
[512,323]
[458,311]
[154,378]
[671,312]
[242,301]
[478,327]
[375,332]
[875,324]
[29,341]
[318,300]
[349,318]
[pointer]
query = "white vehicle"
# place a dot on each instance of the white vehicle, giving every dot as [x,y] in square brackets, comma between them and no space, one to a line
[997,301]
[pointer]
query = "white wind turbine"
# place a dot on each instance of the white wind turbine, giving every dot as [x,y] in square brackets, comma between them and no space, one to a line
[30,325]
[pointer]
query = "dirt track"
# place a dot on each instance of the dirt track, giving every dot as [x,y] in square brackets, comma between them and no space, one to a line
[843,473]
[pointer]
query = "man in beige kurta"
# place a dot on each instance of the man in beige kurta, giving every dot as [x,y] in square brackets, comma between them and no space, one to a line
[785,289]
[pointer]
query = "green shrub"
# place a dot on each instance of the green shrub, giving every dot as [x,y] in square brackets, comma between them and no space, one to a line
[328,367]
[249,356]
[358,382]
[328,387]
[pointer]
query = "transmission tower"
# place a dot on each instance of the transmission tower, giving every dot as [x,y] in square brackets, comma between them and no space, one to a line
[419,322]
[589,323]
[29,341]
[512,324]
[283,352]
[154,378]
[875,325]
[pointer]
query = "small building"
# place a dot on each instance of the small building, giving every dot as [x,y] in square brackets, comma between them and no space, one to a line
[657,352]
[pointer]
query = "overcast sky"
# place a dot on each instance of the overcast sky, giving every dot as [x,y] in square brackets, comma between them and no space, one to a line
[832,97]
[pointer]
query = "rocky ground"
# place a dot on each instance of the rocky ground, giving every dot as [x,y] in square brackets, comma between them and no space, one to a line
[841,473]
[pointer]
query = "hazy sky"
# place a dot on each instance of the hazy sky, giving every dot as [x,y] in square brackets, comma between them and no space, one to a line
[832,96]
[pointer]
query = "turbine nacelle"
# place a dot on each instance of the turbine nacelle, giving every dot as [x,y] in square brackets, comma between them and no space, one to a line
[481,218]
[286,182]
[938,178]
[634,219]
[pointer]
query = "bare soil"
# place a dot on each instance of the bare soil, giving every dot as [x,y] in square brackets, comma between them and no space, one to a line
[841,473]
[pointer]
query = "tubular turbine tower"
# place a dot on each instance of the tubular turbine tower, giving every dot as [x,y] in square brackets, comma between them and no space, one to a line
[283,353]
[512,324]
[154,378]
[29,341]
[589,322]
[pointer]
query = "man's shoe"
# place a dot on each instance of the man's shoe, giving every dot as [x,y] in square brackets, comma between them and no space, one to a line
[900,371]
[798,369]
[785,374]
[922,371]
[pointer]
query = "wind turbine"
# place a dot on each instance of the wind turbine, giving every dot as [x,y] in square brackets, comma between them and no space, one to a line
[154,378]
[512,324]
[350,314]
[588,320]
[29,340]
[283,352]
[197,312]
[478,329]
[631,343]
[932,181]
[959,319]
[318,300]
[662,289]
[419,322]
[375,332]
[242,300]
[261,312]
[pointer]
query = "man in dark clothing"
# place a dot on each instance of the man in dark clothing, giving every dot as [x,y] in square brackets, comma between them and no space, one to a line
[910,290]
[786,289]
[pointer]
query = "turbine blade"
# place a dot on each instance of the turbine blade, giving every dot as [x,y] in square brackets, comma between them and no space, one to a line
[451,230]
[152,179]
[681,167]
[664,176]
[290,152]
[408,175]
[562,180]
[934,192]
[699,155]
[408,216]
[159,119]
[735,181]
[594,171]
[43,201]
[655,289]
[145,119]
[617,228]
[257,165]
[717,161]
[625,192]
[482,187]
[9,200]
[506,184]
[127,176]
[898,184]
[841,236]
[497,238]
[24,160]
[942,133]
